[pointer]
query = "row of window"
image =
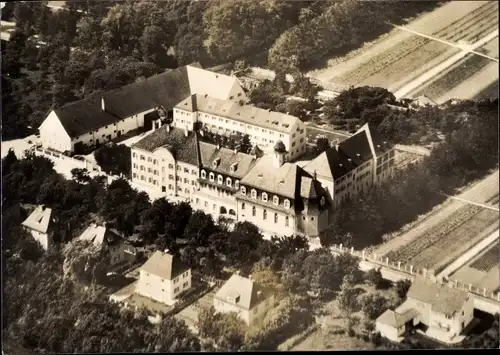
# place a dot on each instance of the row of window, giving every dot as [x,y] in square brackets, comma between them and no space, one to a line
[264,215]
[220,179]
[264,197]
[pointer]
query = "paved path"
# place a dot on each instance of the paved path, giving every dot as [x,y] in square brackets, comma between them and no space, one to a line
[480,192]
[422,79]
[471,253]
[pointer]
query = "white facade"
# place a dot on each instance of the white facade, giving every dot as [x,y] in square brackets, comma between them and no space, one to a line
[265,138]
[161,171]
[53,135]
[251,317]
[163,290]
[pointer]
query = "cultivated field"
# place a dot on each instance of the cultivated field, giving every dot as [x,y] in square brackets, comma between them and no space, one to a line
[481,192]
[401,56]
[483,271]
[443,243]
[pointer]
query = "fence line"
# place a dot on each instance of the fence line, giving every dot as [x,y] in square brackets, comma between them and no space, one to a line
[410,270]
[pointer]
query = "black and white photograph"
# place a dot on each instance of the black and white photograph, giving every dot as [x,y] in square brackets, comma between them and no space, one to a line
[249,175]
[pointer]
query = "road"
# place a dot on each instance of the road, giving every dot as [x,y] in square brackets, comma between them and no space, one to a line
[479,192]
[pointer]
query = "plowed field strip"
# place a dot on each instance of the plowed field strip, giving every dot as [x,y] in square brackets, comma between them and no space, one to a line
[488,260]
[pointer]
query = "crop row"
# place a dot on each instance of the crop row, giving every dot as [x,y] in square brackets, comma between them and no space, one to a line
[487,261]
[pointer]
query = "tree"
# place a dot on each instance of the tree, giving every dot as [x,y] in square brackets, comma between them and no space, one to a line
[347,296]
[199,228]
[84,262]
[402,287]
[245,146]
[374,276]
[322,144]
[374,305]
[243,243]
[80,175]
[226,330]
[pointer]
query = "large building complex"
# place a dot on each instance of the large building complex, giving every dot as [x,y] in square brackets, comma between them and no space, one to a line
[145,103]
[278,196]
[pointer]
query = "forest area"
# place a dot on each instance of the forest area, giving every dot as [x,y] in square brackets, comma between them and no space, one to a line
[56,57]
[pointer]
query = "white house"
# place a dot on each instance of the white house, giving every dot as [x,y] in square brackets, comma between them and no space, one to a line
[246,297]
[444,310]
[39,224]
[163,277]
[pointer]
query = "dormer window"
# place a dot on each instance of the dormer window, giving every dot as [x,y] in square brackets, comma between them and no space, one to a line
[286,203]
[276,200]
[233,167]
[243,190]
[219,179]
[211,177]
[254,193]
[228,182]
[216,162]
[322,201]
[264,197]
[233,297]
[237,184]
[203,174]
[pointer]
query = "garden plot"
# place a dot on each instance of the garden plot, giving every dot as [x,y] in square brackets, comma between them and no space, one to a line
[454,76]
[408,56]
[490,48]
[443,243]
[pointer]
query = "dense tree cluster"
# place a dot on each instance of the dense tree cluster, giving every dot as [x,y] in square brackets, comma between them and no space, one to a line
[114,159]
[469,150]
[226,330]
[339,26]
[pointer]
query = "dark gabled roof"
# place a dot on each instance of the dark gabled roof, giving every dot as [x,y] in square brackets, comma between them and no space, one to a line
[165,89]
[380,143]
[84,116]
[248,292]
[226,158]
[357,147]
[183,148]
[164,265]
[331,164]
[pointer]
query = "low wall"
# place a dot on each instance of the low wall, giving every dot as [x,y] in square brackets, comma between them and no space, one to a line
[413,149]
[82,164]
[395,271]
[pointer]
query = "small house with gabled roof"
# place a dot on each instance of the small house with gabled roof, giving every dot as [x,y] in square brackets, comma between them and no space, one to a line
[163,277]
[40,224]
[250,300]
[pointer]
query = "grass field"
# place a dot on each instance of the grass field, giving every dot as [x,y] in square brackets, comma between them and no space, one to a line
[439,245]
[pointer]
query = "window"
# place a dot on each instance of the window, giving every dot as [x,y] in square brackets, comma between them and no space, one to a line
[154,161]
[287,221]
[170,166]
[243,190]
[186,170]
[142,157]
[254,193]
[211,177]
[134,155]
[275,218]
[203,174]
[219,179]
[287,203]
[134,175]
[236,184]
[322,201]
[186,181]
[293,144]
[264,197]
[276,200]
[243,206]
[254,211]
[178,167]
[228,182]
[197,200]
[264,215]
[312,218]
[170,177]
[135,166]
[206,203]
[193,172]
[149,159]
[170,187]
[293,135]
[185,284]
[176,290]
[142,177]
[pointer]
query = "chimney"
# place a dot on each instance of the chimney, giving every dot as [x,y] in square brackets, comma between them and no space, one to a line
[103,106]
[186,132]
[168,127]
[218,146]
[235,151]
[166,251]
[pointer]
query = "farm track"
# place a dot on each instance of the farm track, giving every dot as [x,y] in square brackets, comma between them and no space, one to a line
[449,236]
[422,50]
